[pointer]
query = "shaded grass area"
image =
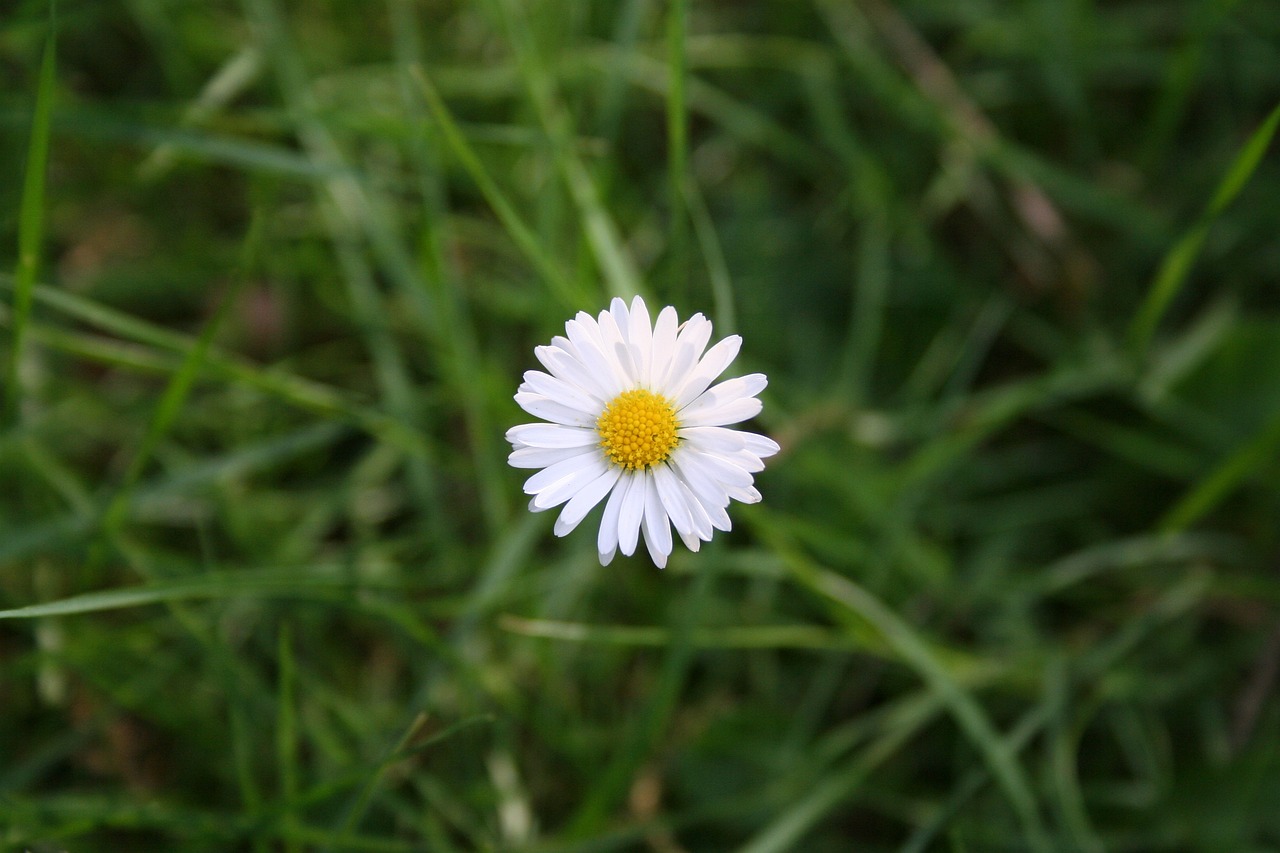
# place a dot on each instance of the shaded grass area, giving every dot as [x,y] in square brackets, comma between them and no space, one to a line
[266,582]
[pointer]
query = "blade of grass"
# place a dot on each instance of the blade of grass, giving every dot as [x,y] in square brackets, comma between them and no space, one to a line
[30,223]
[333,584]
[287,738]
[678,141]
[643,731]
[296,390]
[1177,264]
[726,315]
[1252,459]
[235,75]
[561,286]
[101,125]
[972,782]
[362,228]
[456,329]
[61,531]
[601,231]
[748,637]
[751,125]
[862,607]
[404,749]
[170,404]
[785,831]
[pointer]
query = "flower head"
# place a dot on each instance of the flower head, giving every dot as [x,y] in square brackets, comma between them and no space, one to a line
[631,414]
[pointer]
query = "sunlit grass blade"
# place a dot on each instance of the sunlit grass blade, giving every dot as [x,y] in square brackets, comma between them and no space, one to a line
[741,637]
[30,224]
[1177,264]
[235,75]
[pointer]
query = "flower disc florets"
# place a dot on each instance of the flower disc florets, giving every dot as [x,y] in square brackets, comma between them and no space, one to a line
[638,429]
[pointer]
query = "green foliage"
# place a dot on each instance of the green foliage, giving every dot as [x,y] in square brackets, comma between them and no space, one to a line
[270,273]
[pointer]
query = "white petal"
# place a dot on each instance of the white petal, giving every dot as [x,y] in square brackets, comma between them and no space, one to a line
[710,495]
[662,346]
[726,392]
[703,527]
[615,346]
[719,518]
[553,410]
[698,477]
[607,539]
[606,557]
[761,445]
[566,366]
[698,514]
[691,541]
[581,503]
[725,470]
[618,308]
[565,488]
[673,500]
[591,351]
[744,459]
[690,342]
[657,530]
[542,457]
[714,439]
[733,412]
[565,468]
[551,435]
[747,495]
[639,334]
[631,513]
[709,367]
[569,393]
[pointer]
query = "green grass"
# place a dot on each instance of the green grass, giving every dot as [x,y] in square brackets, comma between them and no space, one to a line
[270,274]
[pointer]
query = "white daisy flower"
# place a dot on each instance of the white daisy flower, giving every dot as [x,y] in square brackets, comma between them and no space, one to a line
[633,416]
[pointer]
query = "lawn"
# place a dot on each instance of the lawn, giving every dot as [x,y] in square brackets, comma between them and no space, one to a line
[271,274]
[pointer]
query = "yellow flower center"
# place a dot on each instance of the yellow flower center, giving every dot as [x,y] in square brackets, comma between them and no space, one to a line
[638,429]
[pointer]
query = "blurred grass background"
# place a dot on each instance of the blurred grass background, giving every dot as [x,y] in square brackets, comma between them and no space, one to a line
[270,273]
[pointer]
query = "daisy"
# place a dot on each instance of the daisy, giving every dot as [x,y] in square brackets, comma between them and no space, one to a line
[632,415]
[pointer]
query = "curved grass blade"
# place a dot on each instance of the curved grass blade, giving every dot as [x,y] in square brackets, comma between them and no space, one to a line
[857,605]
[1248,461]
[30,222]
[598,225]
[559,284]
[263,583]
[1177,263]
